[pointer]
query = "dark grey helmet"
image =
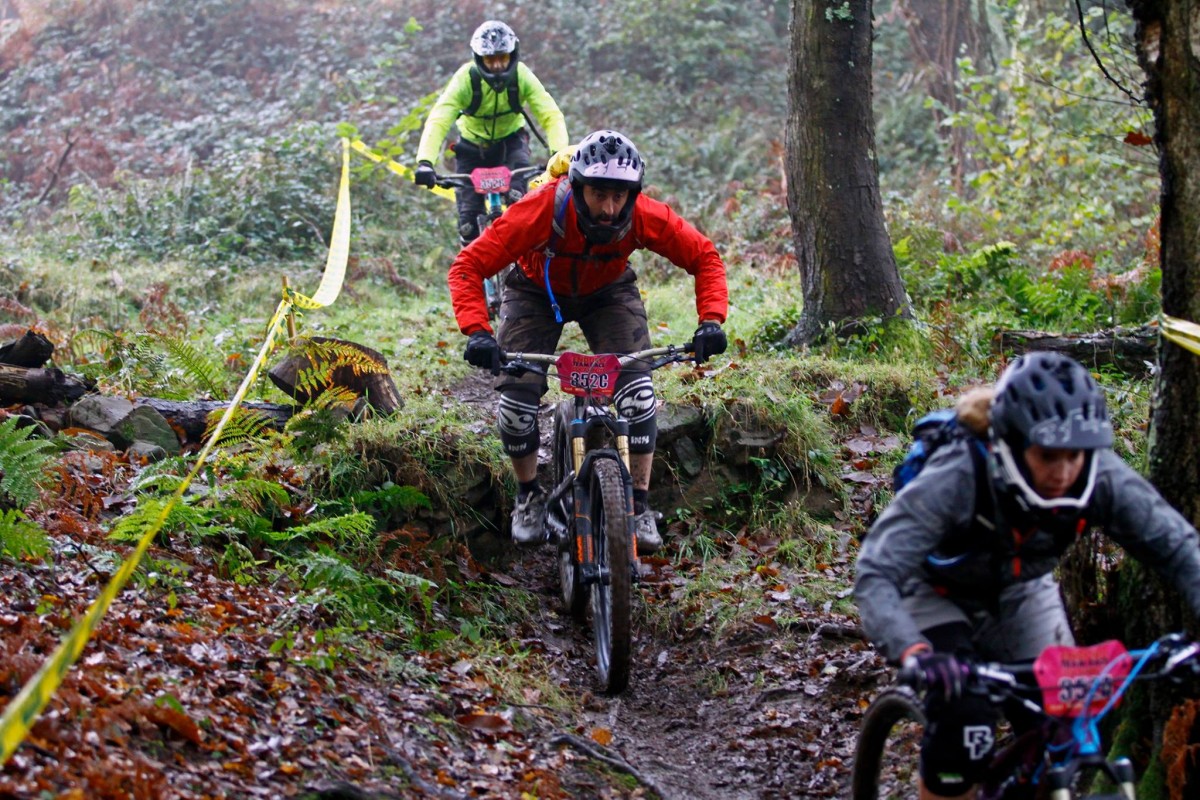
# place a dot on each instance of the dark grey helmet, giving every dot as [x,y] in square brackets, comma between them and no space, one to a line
[1049,400]
[606,159]
[494,38]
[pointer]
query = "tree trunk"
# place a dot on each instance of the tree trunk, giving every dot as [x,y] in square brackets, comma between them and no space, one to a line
[1168,44]
[941,32]
[190,417]
[50,386]
[1133,351]
[31,350]
[376,384]
[847,267]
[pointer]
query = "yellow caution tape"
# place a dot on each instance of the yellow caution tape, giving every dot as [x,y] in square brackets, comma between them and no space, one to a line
[36,693]
[1181,332]
[399,169]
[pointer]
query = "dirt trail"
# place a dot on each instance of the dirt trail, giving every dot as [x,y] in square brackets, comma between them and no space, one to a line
[765,712]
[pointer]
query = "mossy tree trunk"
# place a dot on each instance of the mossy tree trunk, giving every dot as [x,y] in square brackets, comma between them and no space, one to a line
[847,267]
[1168,43]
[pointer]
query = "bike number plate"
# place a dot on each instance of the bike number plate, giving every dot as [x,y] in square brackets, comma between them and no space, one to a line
[1066,676]
[491,179]
[583,374]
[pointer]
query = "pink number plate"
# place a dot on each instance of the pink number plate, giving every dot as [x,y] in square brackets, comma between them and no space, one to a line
[491,179]
[583,374]
[1066,676]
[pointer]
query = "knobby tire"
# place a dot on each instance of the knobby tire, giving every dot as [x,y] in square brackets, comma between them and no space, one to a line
[889,741]
[612,604]
[574,595]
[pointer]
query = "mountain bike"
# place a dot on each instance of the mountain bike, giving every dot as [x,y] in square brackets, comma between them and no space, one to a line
[495,184]
[1067,690]
[589,511]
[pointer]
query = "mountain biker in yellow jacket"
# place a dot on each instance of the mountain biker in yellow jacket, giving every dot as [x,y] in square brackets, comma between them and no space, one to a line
[485,98]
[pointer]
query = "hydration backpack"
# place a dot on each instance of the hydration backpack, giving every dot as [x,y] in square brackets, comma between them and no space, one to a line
[932,431]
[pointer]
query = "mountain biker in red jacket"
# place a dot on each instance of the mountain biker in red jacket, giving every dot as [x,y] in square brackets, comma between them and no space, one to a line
[484,100]
[581,274]
[934,606]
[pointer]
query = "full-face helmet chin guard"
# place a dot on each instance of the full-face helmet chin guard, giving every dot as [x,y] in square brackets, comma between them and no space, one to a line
[1050,400]
[606,159]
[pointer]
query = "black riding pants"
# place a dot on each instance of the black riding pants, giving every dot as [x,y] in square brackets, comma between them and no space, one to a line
[512,151]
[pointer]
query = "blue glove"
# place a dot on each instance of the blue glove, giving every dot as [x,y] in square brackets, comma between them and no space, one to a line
[708,340]
[483,352]
[424,175]
[940,673]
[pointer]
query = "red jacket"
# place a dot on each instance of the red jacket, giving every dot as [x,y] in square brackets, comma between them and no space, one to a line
[522,233]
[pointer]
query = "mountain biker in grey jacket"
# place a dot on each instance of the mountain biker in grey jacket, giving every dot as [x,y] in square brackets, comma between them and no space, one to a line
[1053,475]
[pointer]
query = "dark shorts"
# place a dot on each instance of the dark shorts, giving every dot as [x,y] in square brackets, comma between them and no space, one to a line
[613,320]
[512,151]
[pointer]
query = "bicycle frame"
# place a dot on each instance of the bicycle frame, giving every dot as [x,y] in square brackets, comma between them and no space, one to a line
[593,413]
[595,533]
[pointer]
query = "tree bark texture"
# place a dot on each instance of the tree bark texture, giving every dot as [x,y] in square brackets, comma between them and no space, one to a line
[31,350]
[1168,44]
[847,267]
[191,416]
[941,32]
[50,386]
[377,387]
[1133,351]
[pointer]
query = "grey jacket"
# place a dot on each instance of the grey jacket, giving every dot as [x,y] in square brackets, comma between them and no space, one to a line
[895,555]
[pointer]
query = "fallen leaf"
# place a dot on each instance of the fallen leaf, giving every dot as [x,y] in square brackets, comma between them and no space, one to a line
[602,736]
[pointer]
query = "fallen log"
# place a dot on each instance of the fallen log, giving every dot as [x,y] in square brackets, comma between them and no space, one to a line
[189,418]
[32,350]
[35,385]
[1133,351]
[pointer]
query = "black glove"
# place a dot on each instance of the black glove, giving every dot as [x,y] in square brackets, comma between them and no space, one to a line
[940,673]
[483,352]
[424,174]
[708,340]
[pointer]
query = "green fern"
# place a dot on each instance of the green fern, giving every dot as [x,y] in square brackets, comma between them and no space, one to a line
[352,529]
[326,569]
[197,366]
[92,345]
[245,425]
[325,358]
[133,526]
[20,538]
[334,397]
[253,493]
[21,462]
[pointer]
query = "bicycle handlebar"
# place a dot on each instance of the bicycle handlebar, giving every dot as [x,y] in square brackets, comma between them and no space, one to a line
[1002,681]
[451,180]
[519,363]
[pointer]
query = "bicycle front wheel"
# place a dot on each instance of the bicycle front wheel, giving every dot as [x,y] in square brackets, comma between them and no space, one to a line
[887,756]
[611,598]
[562,515]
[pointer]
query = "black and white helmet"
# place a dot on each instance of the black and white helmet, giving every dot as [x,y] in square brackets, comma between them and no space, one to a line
[1049,400]
[606,159]
[494,38]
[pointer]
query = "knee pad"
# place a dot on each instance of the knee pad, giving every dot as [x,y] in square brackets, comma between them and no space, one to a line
[518,421]
[467,232]
[957,744]
[636,402]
